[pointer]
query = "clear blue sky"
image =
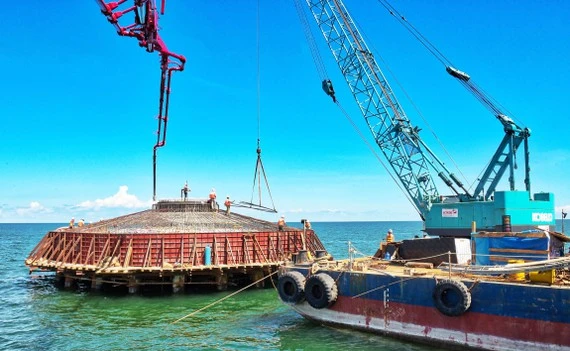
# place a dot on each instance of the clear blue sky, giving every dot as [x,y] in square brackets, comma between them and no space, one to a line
[79,105]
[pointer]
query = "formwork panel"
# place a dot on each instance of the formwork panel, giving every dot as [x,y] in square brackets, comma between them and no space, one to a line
[161,243]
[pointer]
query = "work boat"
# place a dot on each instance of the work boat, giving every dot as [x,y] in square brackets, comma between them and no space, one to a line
[456,303]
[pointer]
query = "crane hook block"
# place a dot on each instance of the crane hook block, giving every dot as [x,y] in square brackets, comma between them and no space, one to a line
[328,88]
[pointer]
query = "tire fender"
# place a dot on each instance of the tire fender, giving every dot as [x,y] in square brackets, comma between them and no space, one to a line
[321,290]
[290,287]
[451,297]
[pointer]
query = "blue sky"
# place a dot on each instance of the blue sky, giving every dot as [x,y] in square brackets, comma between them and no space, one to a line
[79,105]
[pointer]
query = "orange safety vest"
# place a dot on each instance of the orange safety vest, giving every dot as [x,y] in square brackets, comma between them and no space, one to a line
[390,238]
[281,221]
[228,203]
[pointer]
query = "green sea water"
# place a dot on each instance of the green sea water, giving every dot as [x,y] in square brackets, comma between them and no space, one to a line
[35,315]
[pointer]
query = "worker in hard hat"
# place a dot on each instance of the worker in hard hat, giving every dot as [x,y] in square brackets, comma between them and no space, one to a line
[212,199]
[72,222]
[281,223]
[185,190]
[390,236]
[228,204]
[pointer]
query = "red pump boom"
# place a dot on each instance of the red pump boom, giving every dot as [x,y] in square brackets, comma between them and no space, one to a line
[145,30]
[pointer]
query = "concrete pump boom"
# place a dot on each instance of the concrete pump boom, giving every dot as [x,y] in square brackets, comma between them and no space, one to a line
[145,30]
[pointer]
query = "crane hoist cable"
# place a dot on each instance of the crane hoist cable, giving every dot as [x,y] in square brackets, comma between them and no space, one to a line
[409,98]
[259,169]
[514,134]
[326,83]
[487,100]
[328,89]
[145,30]
[373,150]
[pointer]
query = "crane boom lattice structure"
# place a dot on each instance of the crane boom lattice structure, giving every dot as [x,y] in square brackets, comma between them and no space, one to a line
[145,30]
[410,158]
[413,162]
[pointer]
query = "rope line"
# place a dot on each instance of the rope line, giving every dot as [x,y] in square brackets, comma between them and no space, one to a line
[224,298]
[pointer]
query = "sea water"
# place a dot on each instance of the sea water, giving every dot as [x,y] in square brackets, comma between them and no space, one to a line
[35,315]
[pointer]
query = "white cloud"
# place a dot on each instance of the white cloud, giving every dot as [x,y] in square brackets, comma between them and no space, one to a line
[34,208]
[121,199]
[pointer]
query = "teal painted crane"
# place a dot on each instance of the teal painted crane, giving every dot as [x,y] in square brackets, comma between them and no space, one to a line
[413,162]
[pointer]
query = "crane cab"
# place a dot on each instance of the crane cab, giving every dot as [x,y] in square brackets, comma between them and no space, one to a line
[454,218]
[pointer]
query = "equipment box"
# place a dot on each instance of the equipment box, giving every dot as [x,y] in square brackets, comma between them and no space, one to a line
[542,277]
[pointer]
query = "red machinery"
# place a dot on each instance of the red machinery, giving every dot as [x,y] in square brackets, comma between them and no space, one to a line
[145,30]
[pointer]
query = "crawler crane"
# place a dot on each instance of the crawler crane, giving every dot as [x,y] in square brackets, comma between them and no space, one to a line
[413,162]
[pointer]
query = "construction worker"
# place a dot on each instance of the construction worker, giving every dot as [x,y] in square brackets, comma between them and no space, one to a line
[390,236]
[228,204]
[307,224]
[72,222]
[185,190]
[281,223]
[81,223]
[212,199]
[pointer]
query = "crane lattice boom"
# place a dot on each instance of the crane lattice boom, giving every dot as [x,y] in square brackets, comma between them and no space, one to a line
[408,155]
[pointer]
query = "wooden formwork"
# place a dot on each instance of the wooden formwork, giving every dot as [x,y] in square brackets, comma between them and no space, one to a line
[179,251]
[105,252]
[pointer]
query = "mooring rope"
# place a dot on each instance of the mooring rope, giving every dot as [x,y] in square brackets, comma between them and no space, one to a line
[224,298]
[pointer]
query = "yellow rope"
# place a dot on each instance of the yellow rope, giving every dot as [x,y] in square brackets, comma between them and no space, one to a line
[223,298]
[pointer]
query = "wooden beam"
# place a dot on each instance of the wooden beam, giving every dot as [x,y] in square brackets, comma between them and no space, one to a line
[215,249]
[509,235]
[148,252]
[260,248]
[162,252]
[535,252]
[246,258]
[229,249]
[128,253]
[193,258]
[181,256]
[105,248]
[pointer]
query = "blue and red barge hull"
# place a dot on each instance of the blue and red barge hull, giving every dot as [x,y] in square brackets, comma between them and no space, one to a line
[502,315]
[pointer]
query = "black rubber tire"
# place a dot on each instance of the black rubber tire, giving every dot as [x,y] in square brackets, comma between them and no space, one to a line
[290,286]
[321,291]
[451,297]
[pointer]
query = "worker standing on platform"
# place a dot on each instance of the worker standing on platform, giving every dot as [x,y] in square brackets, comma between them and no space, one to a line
[281,223]
[228,204]
[72,222]
[185,190]
[81,223]
[390,236]
[213,199]
[307,224]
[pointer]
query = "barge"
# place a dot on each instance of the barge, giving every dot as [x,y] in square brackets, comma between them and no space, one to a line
[518,305]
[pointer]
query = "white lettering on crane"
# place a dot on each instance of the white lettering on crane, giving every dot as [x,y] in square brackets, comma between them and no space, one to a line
[542,217]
